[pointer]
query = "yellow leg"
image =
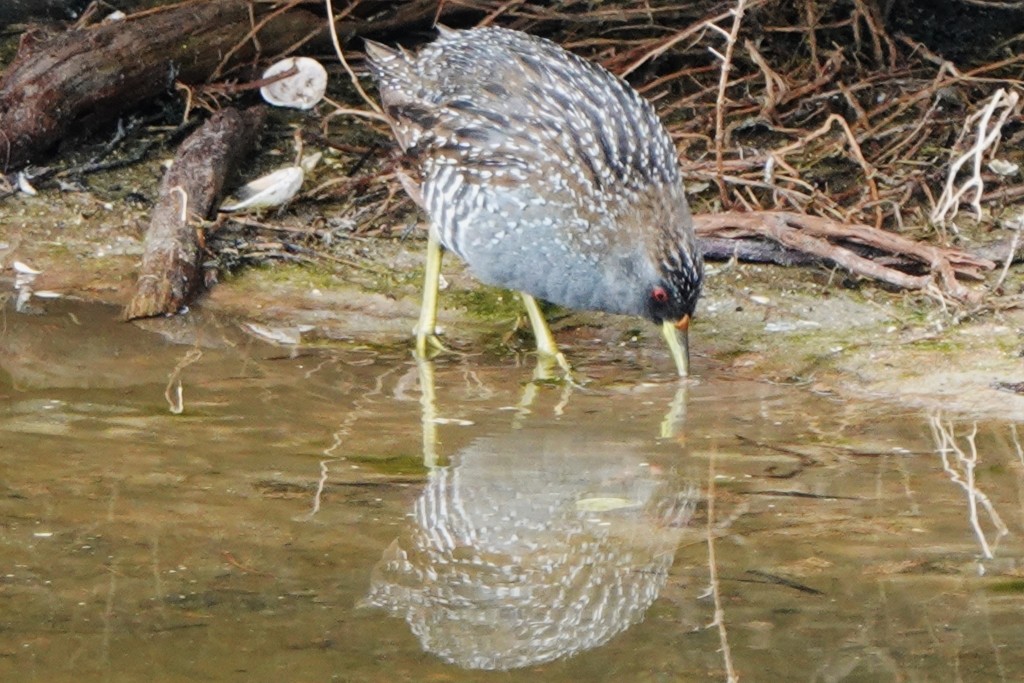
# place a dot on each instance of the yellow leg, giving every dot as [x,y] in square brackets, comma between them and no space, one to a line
[426,329]
[678,343]
[546,347]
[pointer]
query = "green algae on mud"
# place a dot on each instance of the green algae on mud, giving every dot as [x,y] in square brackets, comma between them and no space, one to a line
[1014,587]
[485,303]
[761,322]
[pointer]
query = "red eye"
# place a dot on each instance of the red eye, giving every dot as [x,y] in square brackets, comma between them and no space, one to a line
[659,294]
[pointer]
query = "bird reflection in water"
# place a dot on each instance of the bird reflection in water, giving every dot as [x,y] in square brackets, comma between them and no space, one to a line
[531,545]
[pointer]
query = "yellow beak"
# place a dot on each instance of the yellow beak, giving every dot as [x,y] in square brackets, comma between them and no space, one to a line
[676,334]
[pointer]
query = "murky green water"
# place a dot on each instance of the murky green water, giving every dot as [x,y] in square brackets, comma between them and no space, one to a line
[285,525]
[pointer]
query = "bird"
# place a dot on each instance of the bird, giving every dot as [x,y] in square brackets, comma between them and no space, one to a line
[545,174]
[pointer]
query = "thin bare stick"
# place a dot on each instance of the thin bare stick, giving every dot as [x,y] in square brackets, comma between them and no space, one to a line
[723,84]
[775,86]
[1009,260]
[812,34]
[489,19]
[252,36]
[714,586]
[341,110]
[672,41]
[341,57]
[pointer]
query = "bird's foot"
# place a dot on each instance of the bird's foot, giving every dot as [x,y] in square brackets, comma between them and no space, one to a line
[546,373]
[428,344]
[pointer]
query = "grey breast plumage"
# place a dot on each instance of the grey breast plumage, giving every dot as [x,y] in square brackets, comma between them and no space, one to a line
[541,170]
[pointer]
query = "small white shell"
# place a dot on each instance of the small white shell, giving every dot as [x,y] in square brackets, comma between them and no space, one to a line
[24,185]
[25,269]
[1003,167]
[273,189]
[301,91]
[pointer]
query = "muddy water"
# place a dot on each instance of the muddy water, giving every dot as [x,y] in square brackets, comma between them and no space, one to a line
[306,515]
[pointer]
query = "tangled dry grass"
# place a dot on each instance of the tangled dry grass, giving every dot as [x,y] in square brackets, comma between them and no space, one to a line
[850,132]
[820,107]
[824,113]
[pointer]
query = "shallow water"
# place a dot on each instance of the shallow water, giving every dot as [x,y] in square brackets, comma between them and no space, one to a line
[307,516]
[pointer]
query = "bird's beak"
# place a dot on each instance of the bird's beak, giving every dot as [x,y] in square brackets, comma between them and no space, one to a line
[675,334]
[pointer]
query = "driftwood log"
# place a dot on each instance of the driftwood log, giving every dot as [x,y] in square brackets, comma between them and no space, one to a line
[81,78]
[171,266]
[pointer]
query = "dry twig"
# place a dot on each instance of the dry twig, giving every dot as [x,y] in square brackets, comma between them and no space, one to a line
[723,83]
[823,238]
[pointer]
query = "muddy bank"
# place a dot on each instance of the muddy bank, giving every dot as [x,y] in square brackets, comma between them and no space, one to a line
[812,326]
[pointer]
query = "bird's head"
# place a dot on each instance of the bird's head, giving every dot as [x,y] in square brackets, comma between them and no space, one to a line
[674,296]
[675,270]
[670,302]
[670,269]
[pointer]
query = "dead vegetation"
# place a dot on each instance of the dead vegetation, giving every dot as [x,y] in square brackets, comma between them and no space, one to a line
[859,127]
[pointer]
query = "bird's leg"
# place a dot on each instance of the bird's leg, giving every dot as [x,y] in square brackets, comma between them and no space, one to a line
[546,347]
[426,329]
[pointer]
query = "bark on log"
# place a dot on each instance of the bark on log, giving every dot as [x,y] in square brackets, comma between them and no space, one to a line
[753,251]
[171,267]
[78,79]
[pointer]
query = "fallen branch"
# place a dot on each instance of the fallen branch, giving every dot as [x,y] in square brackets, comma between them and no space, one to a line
[171,267]
[753,251]
[81,78]
[823,238]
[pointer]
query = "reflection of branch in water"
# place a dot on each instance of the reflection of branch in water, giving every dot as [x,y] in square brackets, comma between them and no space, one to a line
[338,439]
[113,571]
[173,393]
[713,588]
[1016,443]
[961,471]
[321,482]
